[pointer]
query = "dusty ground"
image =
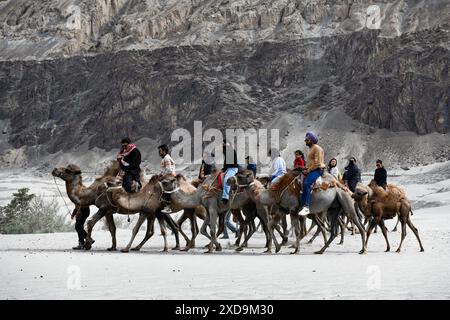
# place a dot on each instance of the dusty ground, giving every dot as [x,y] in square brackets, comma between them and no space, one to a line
[41,266]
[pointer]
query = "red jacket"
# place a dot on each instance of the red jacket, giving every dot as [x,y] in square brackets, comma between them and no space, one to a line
[299,163]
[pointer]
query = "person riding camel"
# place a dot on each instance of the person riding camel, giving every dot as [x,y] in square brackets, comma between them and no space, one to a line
[380,175]
[299,161]
[278,167]
[207,166]
[333,169]
[315,167]
[167,163]
[230,168]
[129,158]
[352,174]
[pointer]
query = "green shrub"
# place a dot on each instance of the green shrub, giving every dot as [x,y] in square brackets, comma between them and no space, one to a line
[28,213]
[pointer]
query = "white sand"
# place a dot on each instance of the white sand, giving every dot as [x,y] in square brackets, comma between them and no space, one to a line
[41,266]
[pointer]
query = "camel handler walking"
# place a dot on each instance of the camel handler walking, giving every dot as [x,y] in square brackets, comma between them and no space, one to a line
[315,167]
[129,158]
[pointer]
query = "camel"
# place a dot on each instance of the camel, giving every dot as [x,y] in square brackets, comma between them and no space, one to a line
[332,199]
[84,196]
[208,195]
[380,205]
[146,202]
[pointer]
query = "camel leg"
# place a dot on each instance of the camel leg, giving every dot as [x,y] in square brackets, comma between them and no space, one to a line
[416,232]
[174,228]
[213,218]
[251,229]
[296,224]
[285,229]
[180,221]
[203,228]
[372,225]
[112,229]
[90,225]
[352,213]
[384,230]
[149,233]
[263,217]
[334,221]
[342,227]
[313,224]
[272,235]
[142,218]
[395,228]
[403,222]
[162,227]
[274,225]
[280,231]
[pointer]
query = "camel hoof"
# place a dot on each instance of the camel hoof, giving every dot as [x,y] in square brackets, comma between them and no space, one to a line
[268,251]
[284,242]
[219,248]
[209,251]
[239,249]
[185,249]
[165,250]
[277,249]
[112,249]
[318,252]
[387,250]
[294,252]
[394,230]
[136,249]
[363,251]
[176,248]
[341,243]
[124,250]
[422,250]
[398,250]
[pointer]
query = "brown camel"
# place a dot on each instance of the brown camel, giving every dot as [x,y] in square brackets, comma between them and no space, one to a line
[380,205]
[84,196]
[331,198]
[146,202]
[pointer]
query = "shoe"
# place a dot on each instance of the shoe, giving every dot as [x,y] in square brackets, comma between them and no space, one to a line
[304,211]
[80,246]
[225,201]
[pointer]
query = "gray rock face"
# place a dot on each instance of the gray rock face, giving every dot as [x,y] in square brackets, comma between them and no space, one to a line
[145,68]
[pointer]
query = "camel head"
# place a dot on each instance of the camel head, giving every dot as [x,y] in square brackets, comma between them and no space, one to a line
[67,173]
[168,182]
[242,178]
[361,192]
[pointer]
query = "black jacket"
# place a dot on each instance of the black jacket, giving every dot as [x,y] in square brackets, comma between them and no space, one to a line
[353,174]
[229,163]
[134,160]
[207,169]
[380,177]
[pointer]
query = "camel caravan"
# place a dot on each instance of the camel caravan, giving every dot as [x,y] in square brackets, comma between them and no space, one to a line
[308,192]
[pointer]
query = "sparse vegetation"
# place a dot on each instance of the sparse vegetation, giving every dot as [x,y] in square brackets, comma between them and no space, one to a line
[28,213]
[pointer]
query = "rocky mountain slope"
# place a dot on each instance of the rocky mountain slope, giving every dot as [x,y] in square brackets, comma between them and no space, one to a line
[81,74]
